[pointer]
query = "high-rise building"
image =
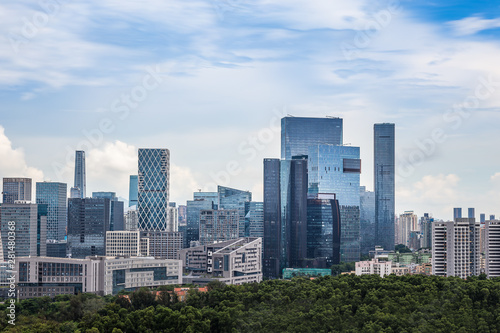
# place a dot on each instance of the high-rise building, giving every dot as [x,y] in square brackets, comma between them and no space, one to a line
[457,213]
[133,191]
[408,222]
[492,217]
[272,219]
[384,177]
[131,220]
[492,247]
[202,201]
[218,225]
[254,220]
[336,170]
[88,222]
[30,221]
[79,190]
[426,226]
[456,248]
[55,196]
[471,213]
[482,218]
[116,222]
[366,220]
[153,185]
[173,218]
[16,189]
[126,244]
[230,198]
[164,244]
[298,134]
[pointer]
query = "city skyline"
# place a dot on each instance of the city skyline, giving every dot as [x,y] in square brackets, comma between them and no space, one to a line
[211,80]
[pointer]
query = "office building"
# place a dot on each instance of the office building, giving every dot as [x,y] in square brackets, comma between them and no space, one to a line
[218,225]
[254,219]
[133,191]
[298,134]
[492,247]
[57,249]
[201,201]
[230,198]
[126,244]
[272,219]
[471,213]
[54,195]
[88,222]
[384,179]
[492,217]
[366,220]
[482,218]
[16,189]
[426,226]
[164,244]
[30,222]
[456,248]
[235,261]
[153,185]
[79,190]
[116,222]
[374,266]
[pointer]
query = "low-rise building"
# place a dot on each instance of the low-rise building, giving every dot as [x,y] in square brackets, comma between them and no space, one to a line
[374,266]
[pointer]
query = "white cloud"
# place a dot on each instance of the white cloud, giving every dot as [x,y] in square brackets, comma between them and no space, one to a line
[473,25]
[496,177]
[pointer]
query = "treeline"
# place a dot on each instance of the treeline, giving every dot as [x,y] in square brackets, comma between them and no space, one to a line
[346,303]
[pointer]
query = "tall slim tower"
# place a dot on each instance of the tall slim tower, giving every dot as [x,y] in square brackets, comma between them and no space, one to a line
[133,191]
[153,183]
[384,155]
[80,188]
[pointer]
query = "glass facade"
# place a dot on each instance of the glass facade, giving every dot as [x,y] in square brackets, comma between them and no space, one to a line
[384,177]
[117,220]
[230,198]
[80,175]
[298,134]
[55,196]
[218,225]
[367,220]
[272,219]
[153,189]
[88,221]
[28,229]
[133,191]
[254,220]
[202,201]
[16,189]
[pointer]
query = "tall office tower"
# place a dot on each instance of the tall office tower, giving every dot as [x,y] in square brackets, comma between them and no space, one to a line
[492,248]
[384,177]
[133,190]
[218,225]
[482,218]
[131,220]
[456,248]
[426,226]
[254,220]
[202,201]
[408,222]
[492,217]
[366,220]
[337,169]
[117,210]
[323,231]
[298,134]
[272,219]
[30,222]
[79,190]
[154,174]
[457,213]
[472,213]
[230,198]
[55,196]
[16,189]
[173,218]
[88,222]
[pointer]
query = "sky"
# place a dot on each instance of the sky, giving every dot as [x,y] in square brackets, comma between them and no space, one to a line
[209,80]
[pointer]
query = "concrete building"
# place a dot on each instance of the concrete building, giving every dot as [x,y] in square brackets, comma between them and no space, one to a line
[44,276]
[164,244]
[407,223]
[232,262]
[456,248]
[374,266]
[131,220]
[218,225]
[15,189]
[126,244]
[173,218]
[492,247]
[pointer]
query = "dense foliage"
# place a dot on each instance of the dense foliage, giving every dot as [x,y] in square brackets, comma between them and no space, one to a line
[345,303]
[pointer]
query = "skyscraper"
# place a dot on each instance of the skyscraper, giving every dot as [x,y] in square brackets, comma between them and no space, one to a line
[457,213]
[80,188]
[153,185]
[254,220]
[202,201]
[55,196]
[426,225]
[492,248]
[218,225]
[384,177]
[230,198]
[471,213]
[117,219]
[366,220]
[298,134]
[272,218]
[133,191]
[408,222]
[16,189]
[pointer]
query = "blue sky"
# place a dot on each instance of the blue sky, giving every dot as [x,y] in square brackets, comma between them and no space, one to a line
[224,71]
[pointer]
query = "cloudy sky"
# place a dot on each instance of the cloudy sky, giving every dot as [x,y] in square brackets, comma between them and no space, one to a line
[210,79]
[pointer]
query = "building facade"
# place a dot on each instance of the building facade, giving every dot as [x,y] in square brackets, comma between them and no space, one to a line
[54,195]
[219,225]
[374,266]
[366,220]
[492,247]
[201,201]
[126,244]
[133,190]
[254,219]
[164,244]
[16,189]
[230,198]
[79,190]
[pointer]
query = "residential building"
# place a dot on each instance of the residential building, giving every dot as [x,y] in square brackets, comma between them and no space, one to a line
[426,226]
[407,223]
[374,266]
[153,189]
[15,189]
[492,247]
[384,179]
[54,195]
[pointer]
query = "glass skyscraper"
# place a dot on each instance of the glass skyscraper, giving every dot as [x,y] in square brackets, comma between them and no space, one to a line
[153,185]
[133,191]
[230,198]
[80,188]
[298,134]
[55,196]
[117,210]
[202,201]
[384,177]
[16,189]
[367,220]
[272,219]
[254,220]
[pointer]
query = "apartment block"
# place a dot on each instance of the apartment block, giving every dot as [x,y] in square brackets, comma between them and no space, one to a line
[492,247]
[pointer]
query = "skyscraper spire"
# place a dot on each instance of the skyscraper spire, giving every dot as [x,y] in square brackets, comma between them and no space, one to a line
[80,187]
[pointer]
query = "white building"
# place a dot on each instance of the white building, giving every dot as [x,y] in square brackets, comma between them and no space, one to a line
[126,244]
[492,247]
[374,266]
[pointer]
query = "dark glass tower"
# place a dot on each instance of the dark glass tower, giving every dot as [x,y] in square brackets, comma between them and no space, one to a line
[384,178]
[298,134]
[55,196]
[80,188]
[272,218]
